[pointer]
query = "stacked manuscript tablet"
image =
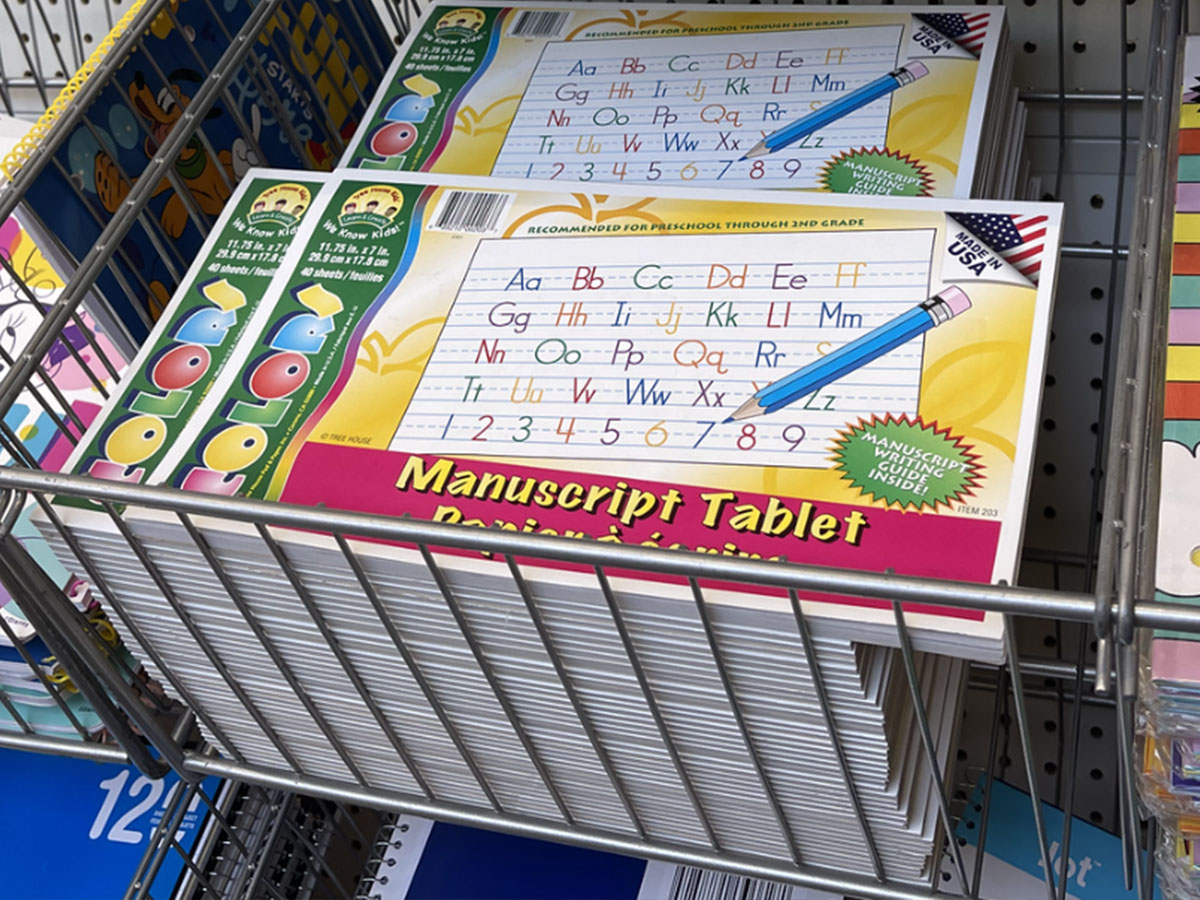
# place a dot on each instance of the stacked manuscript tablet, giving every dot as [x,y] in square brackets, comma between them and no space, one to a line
[861,100]
[836,381]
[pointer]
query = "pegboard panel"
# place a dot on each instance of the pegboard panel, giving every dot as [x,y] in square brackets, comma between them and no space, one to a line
[51,38]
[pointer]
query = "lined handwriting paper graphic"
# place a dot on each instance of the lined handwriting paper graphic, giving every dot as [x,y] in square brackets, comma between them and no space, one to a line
[623,348]
[686,109]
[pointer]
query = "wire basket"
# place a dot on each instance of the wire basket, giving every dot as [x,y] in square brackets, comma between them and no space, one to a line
[157,733]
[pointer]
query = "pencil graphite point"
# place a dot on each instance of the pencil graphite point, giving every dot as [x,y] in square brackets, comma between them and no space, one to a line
[759,149]
[747,410]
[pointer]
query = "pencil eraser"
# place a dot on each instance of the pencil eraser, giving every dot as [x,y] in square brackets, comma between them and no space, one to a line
[956,299]
[916,69]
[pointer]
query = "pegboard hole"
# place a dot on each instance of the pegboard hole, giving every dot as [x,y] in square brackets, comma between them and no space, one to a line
[87,38]
[1049,424]
[970,824]
[1050,682]
[1047,196]
[1050,768]
[1097,293]
[1051,381]
[1097,775]
[1053,336]
[1079,47]
[1097,731]
[1131,46]
[1049,512]
[1005,761]
[1096,816]
[1050,725]
[945,876]
[1030,47]
[1094,428]
[1096,384]
[962,754]
[1049,468]
[1097,201]
[1096,338]
[1049,641]
[1080,2]
[1030,2]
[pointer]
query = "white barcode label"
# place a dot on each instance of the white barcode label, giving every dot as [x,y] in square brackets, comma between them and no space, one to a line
[538,23]
[664,881]
[699,884]
[474,212]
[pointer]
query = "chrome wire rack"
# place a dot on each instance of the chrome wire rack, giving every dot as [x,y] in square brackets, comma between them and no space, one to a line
[1073,623]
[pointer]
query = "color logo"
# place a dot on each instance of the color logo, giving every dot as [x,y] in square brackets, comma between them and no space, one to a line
[279,207]
[460,24]
[370,210]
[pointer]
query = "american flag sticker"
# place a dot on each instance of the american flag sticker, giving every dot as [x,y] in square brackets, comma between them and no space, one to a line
[968,30]
[1019,240]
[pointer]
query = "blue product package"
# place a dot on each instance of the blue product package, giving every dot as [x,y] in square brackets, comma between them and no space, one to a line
[331,50]
[97,821]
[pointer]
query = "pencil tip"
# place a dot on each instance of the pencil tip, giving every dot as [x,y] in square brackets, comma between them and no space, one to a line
[728,420]
[747,410]
[743,159]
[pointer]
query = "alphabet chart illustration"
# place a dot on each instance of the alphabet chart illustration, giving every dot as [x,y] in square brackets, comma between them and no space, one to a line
[688,109]
[640,349]
[872,100]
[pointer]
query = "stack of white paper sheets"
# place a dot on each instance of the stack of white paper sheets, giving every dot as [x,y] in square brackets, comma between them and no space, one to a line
[868,693]
[517,355]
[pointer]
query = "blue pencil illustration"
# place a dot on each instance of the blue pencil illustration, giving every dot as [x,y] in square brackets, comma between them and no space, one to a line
[843,106]
[937,310]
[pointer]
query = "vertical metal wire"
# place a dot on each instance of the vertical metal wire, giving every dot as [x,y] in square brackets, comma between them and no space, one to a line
[760,769]
[660,722]
[498,691]
[989,781]
[268,645]
[1131,855]
[418,675]
[1022,713]
[814,669]
[577,706]
[331,641]
[927,743]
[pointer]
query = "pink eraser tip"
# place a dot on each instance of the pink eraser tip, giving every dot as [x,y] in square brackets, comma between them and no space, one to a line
[916,69]
[956,299]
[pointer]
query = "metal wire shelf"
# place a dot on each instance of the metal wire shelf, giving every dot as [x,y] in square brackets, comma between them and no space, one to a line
[156,733]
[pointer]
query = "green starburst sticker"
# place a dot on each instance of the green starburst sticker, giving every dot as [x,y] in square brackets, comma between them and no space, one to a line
[905,462]
[876,171]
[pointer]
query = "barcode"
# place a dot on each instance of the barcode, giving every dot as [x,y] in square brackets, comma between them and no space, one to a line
[691,883]
[538,23]
[476,212]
